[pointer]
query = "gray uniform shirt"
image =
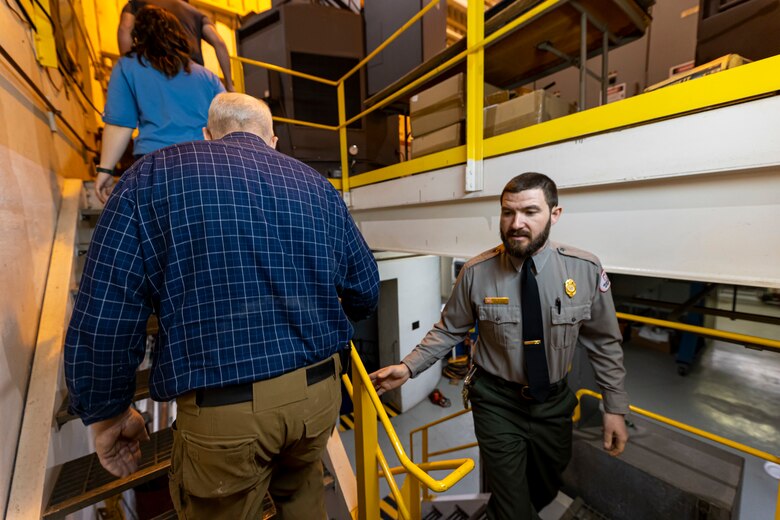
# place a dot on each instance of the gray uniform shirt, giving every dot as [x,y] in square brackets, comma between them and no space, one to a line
[488,291]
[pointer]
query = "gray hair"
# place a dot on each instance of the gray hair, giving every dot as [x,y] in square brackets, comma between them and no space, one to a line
[233,112]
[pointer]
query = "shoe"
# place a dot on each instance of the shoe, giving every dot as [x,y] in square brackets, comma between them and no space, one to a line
[438,398]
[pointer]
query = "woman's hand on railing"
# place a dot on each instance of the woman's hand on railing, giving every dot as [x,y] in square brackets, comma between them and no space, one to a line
[390,378]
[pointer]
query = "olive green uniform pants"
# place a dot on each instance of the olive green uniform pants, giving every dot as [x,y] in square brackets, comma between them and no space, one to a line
[525,446]
[226,457]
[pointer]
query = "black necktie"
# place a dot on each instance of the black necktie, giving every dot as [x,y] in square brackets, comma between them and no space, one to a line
[533,335]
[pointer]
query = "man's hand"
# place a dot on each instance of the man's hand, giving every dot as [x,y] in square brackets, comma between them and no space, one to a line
[103,186]
[615,433]
[117,442]
[389,378]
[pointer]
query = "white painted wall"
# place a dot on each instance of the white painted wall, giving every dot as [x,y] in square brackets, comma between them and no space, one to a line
[419,299]
[32,159]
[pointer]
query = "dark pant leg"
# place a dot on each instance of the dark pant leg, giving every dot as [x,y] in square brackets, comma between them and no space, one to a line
[524,447]
[549,447]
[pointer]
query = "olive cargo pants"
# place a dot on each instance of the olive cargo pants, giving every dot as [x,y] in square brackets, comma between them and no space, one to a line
[226,457]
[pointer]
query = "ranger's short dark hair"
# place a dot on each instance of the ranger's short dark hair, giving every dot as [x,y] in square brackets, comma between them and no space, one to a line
[530,181]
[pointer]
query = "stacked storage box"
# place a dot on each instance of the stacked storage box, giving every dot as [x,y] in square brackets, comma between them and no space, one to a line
[438,114]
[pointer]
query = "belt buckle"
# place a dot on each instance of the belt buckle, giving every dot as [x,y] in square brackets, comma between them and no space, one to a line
[524,393]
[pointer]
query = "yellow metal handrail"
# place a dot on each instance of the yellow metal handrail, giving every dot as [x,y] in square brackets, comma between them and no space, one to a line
[731,337]
[435,485]
[690,429]
[367,408]
[403,512]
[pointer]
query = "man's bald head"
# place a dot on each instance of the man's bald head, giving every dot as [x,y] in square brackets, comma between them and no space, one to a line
[233,112]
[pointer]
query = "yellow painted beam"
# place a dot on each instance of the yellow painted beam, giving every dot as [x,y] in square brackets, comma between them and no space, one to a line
[475,88]
[433,161]
[732,86]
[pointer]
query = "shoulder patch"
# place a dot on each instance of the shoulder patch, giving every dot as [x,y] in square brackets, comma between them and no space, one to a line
[487,255]
[573,252]
[604,283]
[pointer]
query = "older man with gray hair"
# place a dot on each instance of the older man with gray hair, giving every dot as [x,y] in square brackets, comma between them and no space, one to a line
[253,266]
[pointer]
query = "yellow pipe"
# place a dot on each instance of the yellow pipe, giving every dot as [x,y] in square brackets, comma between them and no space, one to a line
[291,72]
[422,79]
[435,485]
[436,465]
[390,40]
[400,505]
[456,448]
[523,19]
[336,183]
[713,333]
[526,17]
[303,123]
[682,426]
[343,138]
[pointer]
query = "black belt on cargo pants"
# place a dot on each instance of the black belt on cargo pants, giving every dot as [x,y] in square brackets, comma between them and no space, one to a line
[241,393]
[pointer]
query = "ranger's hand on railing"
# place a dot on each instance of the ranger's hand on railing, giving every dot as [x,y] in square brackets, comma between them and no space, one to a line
[390,378]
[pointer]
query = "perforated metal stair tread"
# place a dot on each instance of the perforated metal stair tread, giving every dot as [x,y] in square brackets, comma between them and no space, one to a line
[83,481]
[141,392]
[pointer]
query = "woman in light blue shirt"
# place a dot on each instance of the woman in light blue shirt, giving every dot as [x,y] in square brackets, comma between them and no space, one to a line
[157,89]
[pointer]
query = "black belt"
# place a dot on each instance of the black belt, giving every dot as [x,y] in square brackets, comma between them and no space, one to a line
[520,388]
[208,397]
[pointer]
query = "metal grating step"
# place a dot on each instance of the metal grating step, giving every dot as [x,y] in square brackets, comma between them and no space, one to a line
[579,510]
[141,392]
[83,481]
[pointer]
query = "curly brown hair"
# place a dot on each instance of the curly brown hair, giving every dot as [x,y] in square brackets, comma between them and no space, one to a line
[159,37]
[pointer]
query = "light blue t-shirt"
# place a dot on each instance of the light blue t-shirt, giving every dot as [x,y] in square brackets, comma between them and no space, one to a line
[165,110]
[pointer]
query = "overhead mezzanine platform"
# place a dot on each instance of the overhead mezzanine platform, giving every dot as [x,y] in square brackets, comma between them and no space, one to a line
[682,182]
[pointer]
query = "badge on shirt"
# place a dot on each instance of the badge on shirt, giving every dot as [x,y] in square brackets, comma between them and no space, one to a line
[570,287]
[496,300]
[604,282]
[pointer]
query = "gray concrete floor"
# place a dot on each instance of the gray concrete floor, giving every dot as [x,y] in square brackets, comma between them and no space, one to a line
[731,391]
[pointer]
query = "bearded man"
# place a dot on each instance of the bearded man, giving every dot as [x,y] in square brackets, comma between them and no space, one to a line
[533,300]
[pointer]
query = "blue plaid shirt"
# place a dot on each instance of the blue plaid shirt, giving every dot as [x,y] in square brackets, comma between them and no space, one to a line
[243,254]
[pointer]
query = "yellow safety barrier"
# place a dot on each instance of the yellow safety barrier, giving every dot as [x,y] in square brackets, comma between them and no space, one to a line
[687,428]
[367,407]
[731,337]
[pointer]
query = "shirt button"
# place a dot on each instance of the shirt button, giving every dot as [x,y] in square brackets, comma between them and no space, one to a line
[573,320]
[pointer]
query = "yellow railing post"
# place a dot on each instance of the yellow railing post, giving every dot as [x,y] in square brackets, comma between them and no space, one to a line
[411,493]
[475,88]
[238,76]
[425,457]
[365,449]
[343,142]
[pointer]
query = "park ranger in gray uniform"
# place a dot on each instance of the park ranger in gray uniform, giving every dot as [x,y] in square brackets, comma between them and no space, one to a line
[533,300]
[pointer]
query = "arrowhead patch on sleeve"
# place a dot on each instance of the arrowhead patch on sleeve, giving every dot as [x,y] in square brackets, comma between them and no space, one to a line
[604,282]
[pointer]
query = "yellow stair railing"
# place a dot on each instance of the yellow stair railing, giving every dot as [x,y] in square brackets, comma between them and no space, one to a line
[426,454]
[368,408]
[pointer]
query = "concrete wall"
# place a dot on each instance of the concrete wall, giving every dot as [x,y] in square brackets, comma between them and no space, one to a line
[32,161]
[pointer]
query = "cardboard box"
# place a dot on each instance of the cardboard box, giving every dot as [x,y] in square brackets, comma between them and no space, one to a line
[444,104]
[523,111]
[441,139]
[654,338]
[726,62]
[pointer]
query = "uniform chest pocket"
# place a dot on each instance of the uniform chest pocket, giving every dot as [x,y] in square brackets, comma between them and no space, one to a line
[566,325]
[500,325]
